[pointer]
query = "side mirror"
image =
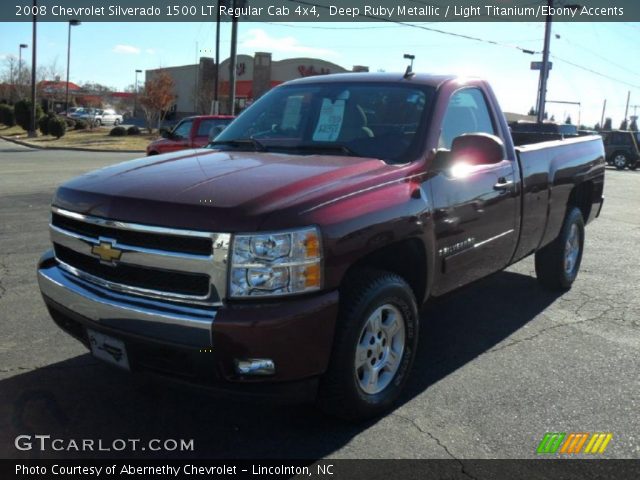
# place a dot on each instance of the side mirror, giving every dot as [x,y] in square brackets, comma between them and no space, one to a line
[165,133]
[215,131]
[477,149]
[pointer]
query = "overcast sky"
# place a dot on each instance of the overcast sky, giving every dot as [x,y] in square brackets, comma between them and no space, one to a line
[109,53]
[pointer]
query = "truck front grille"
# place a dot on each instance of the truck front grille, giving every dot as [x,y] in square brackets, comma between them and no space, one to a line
[171,264]
[136,276]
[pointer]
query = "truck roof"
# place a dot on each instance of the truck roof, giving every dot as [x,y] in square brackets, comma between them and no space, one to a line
[419,78]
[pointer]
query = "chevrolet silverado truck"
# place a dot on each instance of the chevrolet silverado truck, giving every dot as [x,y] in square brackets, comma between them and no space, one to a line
[290,258]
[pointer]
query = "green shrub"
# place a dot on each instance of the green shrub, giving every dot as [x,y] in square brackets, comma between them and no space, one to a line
[81,124]
[57,127]
[118,132]
[22,110]
[133,130]
[71,123]
[7,116]
[43,125]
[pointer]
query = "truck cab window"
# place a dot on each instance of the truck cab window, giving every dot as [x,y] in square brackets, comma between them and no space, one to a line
[183,129]
[467,112]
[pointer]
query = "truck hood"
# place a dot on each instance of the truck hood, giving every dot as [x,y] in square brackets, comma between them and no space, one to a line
[215,190]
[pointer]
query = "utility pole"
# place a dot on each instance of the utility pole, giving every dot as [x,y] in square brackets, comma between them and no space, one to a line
[233,60]
[544,71]
[32,130]
[604,107]
[135,95]
[626,109]
[216,108]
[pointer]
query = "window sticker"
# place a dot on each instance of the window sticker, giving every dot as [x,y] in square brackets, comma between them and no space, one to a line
[330,120]
[291,115]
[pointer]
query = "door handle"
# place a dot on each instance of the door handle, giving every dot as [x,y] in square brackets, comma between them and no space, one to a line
[503,185]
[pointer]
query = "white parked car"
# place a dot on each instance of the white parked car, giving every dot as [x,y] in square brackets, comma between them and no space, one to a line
[108,117]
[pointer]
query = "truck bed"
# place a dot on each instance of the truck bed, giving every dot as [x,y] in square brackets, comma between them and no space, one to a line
[550,170]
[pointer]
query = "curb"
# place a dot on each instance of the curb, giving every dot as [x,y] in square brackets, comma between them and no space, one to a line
[76,149]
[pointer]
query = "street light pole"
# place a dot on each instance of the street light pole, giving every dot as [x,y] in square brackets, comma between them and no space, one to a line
[32,130]
[22,45]
[233,59]
[72,23]
[135,96]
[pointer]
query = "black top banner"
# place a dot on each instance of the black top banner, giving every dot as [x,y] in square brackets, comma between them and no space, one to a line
[320,10]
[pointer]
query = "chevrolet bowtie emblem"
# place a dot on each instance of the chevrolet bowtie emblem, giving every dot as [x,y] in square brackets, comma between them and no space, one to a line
[106,252]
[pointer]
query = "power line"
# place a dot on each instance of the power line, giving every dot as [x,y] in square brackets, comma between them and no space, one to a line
[430,29]
[586,69]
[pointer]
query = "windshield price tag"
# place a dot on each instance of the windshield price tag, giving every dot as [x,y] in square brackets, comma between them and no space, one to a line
[330,121]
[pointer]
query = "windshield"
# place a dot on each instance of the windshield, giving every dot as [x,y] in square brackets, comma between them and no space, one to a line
[378,120]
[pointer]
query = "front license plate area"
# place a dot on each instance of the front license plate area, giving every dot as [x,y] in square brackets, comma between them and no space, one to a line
[108,349]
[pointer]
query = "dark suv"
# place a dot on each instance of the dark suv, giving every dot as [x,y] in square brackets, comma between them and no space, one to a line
[621,148]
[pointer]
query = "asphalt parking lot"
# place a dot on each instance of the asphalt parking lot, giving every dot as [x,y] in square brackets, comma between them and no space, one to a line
[500,363]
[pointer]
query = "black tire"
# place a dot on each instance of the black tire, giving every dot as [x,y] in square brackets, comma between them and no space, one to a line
[116,122]
[340,393]
[97,122]
[620,160]
[552,268]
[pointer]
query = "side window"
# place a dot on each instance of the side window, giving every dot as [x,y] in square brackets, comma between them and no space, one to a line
[183,129]
[467,112]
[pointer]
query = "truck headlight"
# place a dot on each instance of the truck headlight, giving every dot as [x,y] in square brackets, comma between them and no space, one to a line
[277,263]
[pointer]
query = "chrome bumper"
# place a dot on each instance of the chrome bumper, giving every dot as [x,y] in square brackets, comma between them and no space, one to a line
[150,318]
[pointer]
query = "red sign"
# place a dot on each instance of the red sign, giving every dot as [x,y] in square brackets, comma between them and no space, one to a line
[310,71]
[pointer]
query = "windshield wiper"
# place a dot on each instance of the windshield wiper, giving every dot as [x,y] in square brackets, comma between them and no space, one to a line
[313,147]
[242,142]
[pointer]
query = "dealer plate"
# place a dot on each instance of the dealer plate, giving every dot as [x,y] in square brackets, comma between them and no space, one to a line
[109,349]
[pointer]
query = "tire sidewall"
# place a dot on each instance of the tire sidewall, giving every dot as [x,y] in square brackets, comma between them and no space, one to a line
[396,294]
[574,218]
[626,160]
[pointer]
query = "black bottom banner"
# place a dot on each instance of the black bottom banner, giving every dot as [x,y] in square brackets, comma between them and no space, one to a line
[326,468]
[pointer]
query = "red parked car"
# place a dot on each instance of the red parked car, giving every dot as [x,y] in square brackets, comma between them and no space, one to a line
[190,132]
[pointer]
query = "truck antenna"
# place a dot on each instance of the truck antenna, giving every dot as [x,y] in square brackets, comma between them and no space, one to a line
[409,71]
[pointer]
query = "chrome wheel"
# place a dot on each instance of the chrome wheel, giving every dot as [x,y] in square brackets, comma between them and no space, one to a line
[571,250]
[380,349]
[620,161]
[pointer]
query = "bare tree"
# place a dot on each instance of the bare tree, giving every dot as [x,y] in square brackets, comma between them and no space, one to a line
[157,98]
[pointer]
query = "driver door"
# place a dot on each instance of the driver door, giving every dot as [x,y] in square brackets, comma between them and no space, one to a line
[475,211]
[181,136]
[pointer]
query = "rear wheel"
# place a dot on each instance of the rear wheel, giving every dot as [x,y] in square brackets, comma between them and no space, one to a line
[374,347]
[97,122]
[558,263]
[620,160]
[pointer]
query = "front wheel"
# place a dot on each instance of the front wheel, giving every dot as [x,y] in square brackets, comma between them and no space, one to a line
[116,123]
[558,263]
[374,346]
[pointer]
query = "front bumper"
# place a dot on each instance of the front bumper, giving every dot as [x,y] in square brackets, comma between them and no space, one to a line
[196,343]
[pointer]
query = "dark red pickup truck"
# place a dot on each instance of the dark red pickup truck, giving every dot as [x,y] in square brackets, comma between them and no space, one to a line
[292,256]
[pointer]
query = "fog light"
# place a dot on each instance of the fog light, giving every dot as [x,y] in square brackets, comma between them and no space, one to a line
[255,366]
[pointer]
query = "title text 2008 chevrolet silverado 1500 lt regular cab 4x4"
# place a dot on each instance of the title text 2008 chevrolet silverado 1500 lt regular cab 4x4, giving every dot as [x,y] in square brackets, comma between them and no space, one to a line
[293,254]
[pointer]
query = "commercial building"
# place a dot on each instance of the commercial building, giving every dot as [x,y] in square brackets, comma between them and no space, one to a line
[255,75]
